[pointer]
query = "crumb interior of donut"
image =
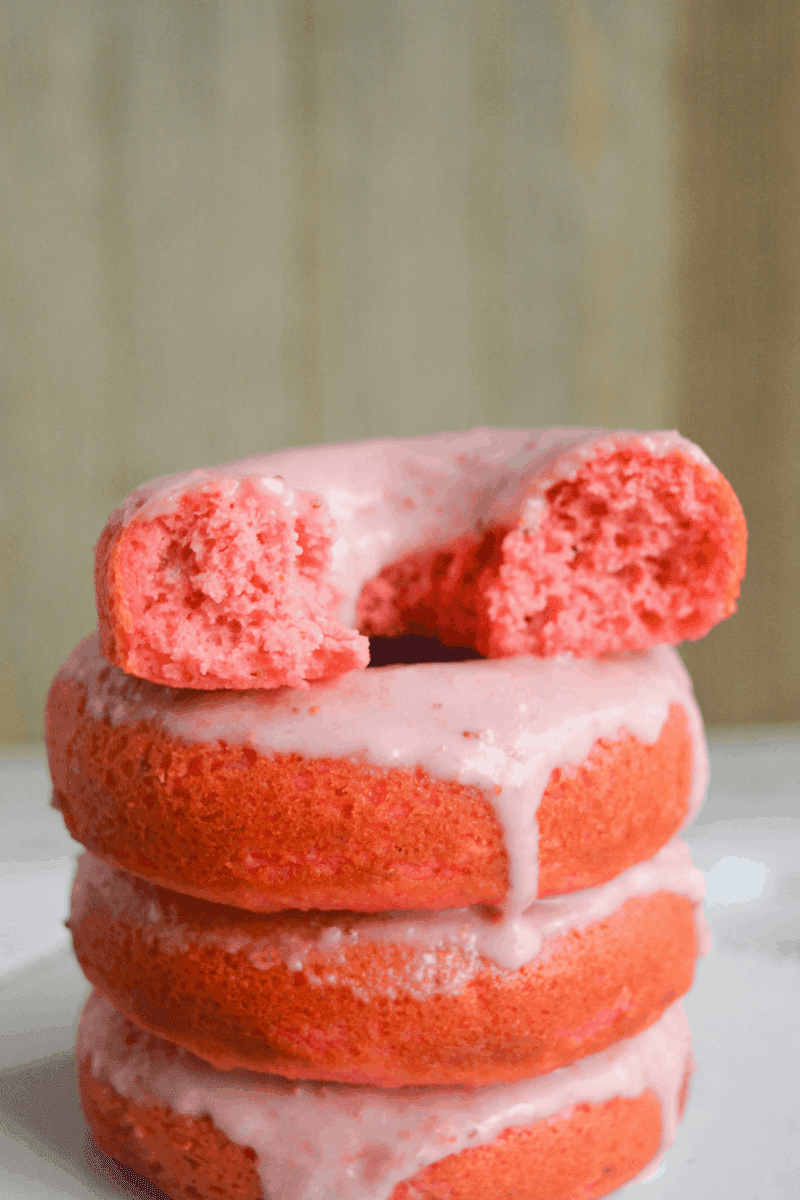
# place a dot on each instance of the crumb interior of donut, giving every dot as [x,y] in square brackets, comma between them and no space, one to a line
[631,550]
[234,584]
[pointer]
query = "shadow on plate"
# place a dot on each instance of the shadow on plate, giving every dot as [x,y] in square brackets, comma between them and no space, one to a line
[39,1106]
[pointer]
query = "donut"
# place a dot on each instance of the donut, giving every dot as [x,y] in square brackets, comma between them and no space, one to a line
[508,542]
[415,786]
[199,1134]
[394,999]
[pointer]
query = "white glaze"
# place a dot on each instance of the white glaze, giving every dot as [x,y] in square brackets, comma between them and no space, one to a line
[391,496]
[449,948]
[342,1142]
[503,725]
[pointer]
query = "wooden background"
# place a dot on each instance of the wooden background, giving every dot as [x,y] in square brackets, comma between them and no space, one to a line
[231,226]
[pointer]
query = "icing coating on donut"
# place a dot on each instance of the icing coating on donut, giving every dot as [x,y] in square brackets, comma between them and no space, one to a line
[358,1143]
[464,938]
[502,725]
[509,541]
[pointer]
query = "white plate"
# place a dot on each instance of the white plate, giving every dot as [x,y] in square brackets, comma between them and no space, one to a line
[741,1136]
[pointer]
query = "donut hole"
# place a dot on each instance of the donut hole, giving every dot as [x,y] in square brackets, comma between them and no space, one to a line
[411,648]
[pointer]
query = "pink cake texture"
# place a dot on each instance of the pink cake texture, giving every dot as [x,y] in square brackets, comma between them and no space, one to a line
[227,587]
[198,1134]
[418,786]
[400,998]
[507,542]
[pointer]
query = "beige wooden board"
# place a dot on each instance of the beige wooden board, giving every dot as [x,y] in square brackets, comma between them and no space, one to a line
[228,227]
[737,348]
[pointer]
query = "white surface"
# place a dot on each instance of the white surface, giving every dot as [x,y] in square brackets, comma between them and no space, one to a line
[741,1136]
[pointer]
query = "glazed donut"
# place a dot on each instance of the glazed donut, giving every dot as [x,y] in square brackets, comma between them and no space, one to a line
[394,999]
[506,541]
[399,787]
[198,1135]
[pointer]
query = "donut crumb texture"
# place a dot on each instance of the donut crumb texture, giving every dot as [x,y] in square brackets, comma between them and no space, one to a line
[631,550]
[229,587]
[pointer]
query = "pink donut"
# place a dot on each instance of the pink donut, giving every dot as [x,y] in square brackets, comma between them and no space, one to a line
[506,542]
[423,786]
[199,1134]
[395,999]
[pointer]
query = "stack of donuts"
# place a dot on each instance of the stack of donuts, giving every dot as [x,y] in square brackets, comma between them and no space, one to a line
[419,930]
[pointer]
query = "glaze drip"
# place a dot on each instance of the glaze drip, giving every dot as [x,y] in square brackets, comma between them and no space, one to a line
[318,1141]
[450,947]
[502,725]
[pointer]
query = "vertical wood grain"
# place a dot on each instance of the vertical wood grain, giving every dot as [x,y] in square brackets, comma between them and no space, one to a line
[228,227]
[621,141]
[393,137]
[58,348]
[738,342]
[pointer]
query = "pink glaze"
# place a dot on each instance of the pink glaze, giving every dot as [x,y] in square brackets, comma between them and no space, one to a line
[357,1143]
[185,600]
[452,946]
[393,495]
[503,725]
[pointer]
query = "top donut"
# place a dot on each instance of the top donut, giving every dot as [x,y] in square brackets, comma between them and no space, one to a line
[276,570]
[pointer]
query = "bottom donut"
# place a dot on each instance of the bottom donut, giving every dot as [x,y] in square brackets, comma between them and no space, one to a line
[200,1134]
